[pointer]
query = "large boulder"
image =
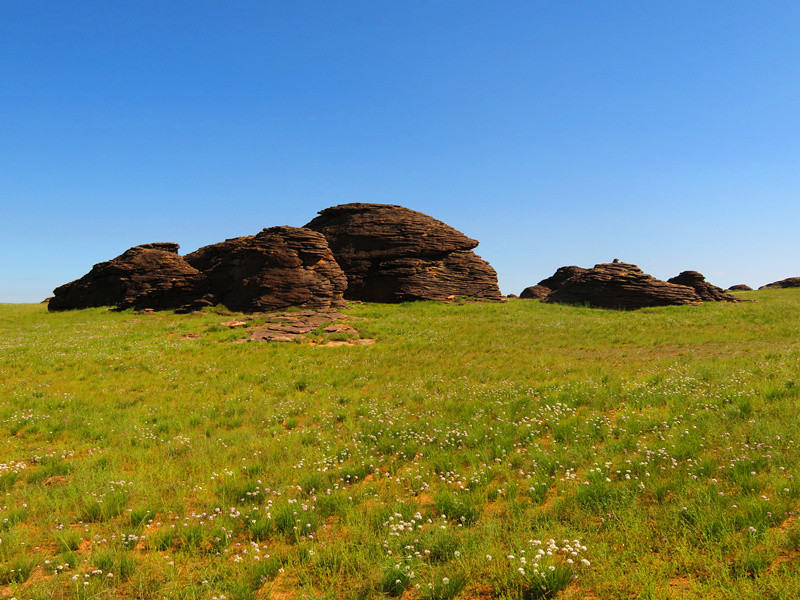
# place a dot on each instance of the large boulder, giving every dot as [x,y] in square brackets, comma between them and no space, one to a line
[536,292]
[706,291]
[151,275]
[783,283]
[740,287]
[278,267]
[616,285]
[393,254]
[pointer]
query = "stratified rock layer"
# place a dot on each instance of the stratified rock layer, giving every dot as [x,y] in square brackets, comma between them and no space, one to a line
[616,285]
[150,275]
[783,283]
[277,268]
[535,292]
[393,254]
[706,291]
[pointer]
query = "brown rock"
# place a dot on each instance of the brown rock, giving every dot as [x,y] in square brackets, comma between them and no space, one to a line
[740,287]
[706,291]
[783,283]
[146,276]
[616,285]
[562,274]
[536,292]
[393,254]
[277,268]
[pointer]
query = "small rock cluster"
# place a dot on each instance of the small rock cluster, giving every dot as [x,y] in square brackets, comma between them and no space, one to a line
[624,286]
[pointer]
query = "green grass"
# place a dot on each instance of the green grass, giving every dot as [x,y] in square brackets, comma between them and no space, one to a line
[658,446]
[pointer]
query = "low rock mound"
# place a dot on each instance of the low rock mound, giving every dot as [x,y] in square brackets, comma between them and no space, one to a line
[783,283]
[739,287]
[393,254]
[706,291]
[535,292]
[146,276]
[616,285]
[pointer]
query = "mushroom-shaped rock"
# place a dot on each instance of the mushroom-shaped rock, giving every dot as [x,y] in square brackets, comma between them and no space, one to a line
[393,254]
[618,285]
[150,275]
[706,291]
[276,268]
[783,283]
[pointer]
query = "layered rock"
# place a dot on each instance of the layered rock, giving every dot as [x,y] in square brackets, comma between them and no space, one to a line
[616,285]
[150,275]
[393,254]
[277,268]
[740,287]
[706,291]
[536,292]
[783,283]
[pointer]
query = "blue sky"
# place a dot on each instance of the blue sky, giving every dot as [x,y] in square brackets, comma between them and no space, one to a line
[555,132]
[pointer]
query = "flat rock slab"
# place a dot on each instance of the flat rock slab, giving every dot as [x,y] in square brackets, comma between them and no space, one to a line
[296,327]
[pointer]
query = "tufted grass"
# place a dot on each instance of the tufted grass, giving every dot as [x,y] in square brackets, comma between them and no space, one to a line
[146,455]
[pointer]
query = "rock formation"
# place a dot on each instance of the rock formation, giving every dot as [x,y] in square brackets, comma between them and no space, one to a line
[783,283]
[560,276]
[739,287]
[536,292]
[279,267]
[706,291]
[615,285]
[393,254]
[150,275]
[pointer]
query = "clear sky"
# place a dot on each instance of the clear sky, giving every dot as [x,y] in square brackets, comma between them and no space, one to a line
[556,132]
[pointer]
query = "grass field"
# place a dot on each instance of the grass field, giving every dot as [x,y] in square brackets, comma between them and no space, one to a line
[517,450]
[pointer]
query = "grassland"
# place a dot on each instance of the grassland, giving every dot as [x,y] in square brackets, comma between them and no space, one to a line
[516,450]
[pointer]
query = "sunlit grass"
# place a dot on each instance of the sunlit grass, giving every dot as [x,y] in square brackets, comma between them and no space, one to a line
[146,455]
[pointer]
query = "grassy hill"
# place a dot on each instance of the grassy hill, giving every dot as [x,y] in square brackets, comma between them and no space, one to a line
[516,450]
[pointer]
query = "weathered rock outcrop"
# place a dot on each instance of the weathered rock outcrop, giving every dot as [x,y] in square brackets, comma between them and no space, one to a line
[616,285]
[146,276]
[783,283]
[536,292]
[560,276]
[740,287]
[393,254]
[277,268]
[706,291]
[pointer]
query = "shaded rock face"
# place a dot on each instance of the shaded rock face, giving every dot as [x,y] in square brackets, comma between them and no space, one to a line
[393,254]
[706,291]
[536,292]
[277,268]
[560,276]
[740,287]
[783,283]
[150,275]
[616,285]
